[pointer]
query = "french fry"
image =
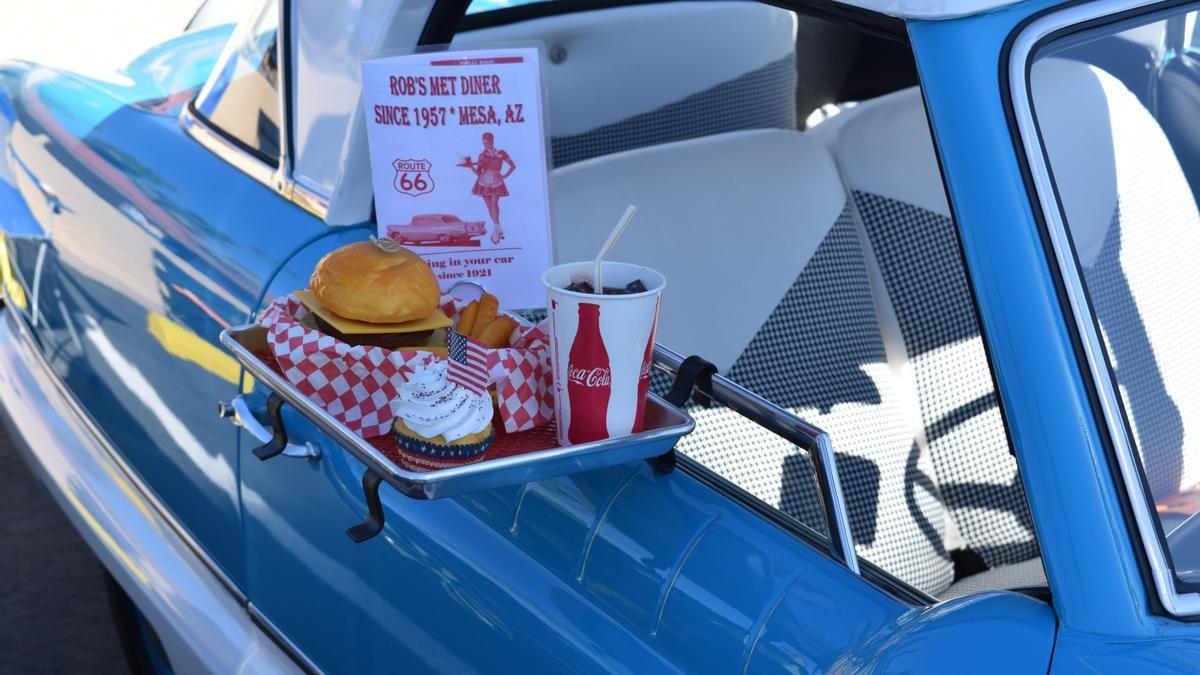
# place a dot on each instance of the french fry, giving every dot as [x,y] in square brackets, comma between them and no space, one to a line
[488,305]
[498,332]
[466,322]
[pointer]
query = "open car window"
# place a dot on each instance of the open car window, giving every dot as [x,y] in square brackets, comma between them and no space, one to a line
[817,267]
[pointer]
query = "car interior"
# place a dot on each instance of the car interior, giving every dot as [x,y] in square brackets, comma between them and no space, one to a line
[788,188]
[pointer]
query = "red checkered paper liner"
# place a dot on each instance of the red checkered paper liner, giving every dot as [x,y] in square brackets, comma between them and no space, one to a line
[357,385]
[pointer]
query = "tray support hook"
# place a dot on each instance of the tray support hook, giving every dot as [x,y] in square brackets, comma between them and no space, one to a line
[693,381]
[373,524]
[279,440]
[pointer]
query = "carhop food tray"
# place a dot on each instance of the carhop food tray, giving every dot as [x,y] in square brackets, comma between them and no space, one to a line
[514,458]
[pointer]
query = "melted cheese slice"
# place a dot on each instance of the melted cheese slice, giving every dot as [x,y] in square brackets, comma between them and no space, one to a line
[352,327]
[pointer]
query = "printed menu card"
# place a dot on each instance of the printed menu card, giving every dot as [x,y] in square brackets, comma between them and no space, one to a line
[458,164]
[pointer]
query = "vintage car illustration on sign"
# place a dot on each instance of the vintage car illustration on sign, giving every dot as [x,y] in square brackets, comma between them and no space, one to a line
[437,229]
[940,254]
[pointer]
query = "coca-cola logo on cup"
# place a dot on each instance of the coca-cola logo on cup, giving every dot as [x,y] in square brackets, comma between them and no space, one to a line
[590,377]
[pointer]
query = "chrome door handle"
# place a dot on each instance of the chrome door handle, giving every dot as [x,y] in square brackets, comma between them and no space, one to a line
[54,201]
[238,411]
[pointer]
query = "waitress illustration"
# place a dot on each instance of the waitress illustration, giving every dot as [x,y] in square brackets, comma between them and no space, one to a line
[489,182]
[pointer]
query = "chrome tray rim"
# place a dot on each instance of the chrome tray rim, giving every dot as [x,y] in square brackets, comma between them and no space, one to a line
[441,483]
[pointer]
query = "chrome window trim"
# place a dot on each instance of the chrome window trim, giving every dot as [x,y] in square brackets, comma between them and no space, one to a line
[216,142]
[309,199]
[804,435]
[278,177]
[297,193]
[283,177]
[840,548]
[1027,41]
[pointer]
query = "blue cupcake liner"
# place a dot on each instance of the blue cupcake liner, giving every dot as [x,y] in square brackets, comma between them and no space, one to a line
[441,452]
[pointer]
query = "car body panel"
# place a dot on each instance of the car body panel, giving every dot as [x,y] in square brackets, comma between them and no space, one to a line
[129,245]
[1089,558]
[133,277]
[950,638]
[201,623]
[604,571]
[616,570]
[1083,653]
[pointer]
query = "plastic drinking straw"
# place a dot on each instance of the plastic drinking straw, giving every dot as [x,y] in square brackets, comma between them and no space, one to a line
[608,246]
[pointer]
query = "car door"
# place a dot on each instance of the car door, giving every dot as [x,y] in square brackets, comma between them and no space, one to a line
[625,569]
[150,244]
[578,574]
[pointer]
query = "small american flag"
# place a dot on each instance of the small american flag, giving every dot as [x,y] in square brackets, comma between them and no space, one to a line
[468,362]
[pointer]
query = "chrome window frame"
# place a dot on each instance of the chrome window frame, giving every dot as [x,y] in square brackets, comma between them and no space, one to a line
[788,426]
[277,177]
[1025,47]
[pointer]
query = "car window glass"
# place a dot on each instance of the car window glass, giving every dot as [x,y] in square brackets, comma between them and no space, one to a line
[216,13]
[1126,165]
[479,6]
[241,98]
[848,308]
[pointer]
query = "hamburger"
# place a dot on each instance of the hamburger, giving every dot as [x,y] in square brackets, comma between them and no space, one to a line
[376,293]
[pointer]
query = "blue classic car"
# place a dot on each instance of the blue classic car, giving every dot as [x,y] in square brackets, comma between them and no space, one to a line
[943,256]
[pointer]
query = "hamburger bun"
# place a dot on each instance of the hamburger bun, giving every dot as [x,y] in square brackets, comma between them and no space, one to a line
[377,282]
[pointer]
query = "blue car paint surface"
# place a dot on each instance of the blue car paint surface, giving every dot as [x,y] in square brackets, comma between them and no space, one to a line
[156,244]
[618,569]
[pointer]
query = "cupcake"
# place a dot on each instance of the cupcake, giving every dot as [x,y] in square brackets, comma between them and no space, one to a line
[440,424]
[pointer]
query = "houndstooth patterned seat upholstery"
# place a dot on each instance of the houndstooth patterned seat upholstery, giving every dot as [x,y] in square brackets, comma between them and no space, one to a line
[886,156]
[820,355]
[866,329]
[760,99]
[795,322]
[689,69]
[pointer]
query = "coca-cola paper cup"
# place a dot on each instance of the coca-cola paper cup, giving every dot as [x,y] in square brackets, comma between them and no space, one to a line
[601,347]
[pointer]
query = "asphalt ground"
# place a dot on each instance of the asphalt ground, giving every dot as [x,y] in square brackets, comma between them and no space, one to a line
[54,615]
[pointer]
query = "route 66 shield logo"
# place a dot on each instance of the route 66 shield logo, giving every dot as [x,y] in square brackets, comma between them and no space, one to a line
[412,176]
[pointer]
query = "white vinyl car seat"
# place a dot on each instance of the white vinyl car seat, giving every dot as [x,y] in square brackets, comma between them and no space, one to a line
[638,75]
[766,277]
[1136,230]
[885,153]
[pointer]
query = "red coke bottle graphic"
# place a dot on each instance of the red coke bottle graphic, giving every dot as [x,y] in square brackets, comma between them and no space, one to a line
[589,379]
[644,385]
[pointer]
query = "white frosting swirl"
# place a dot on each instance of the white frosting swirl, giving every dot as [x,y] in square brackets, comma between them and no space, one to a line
[433,406]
